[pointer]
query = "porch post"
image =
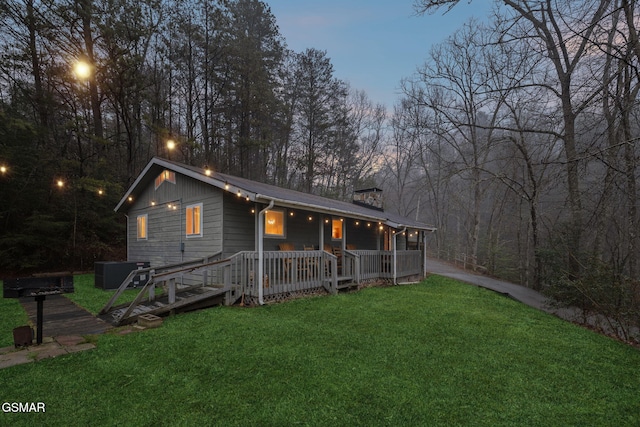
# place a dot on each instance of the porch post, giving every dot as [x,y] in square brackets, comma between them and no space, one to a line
[395,255]
[261,252]
[395,259]
[321,231]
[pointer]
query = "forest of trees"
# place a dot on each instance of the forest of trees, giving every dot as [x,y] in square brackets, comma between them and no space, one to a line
[215,77]
[516,137]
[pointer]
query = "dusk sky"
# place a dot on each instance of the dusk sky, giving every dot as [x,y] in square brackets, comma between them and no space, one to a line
[372,44]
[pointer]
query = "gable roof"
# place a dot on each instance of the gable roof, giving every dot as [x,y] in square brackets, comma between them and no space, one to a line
[265,193]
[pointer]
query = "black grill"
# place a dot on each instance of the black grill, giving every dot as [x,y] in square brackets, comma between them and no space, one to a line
[37,286]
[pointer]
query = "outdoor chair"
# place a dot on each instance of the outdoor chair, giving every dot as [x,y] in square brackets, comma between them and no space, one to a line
[287,263]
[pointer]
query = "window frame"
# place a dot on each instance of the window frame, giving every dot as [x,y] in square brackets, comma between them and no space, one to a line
[144,219]
[283,217]
[195,207]
[165,175]
[341,222]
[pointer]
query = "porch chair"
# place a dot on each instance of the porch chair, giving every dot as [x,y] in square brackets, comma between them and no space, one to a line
[309,266]
[287,263]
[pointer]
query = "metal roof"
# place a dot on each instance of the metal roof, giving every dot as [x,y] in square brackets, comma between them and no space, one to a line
[265,193]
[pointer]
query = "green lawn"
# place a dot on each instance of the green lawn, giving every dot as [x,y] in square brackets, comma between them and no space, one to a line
[437,353]
[12,315]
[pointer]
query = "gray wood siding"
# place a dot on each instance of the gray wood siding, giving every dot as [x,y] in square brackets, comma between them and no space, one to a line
[238,225]
[167,227]
[363,236]
[299,230]
[229,225]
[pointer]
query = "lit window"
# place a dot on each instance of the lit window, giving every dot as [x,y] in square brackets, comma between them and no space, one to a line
[336,229]
[142,227]
[274,223]
[166,175]
[194,220]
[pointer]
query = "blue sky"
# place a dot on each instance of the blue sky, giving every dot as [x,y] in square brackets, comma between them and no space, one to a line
[372,44]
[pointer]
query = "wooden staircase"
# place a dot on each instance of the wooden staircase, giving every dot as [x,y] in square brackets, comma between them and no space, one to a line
[175,297]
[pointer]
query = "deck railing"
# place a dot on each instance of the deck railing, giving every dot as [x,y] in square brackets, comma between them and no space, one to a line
[283,272]
[379,264]
[286,272]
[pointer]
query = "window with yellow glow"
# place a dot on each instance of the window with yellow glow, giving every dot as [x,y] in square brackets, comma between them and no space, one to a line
[194,220]
[166,175]
[142,227]
[336,229]
[274,223]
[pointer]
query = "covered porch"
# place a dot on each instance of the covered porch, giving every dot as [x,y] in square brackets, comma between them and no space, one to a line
[199,283]
[287,273]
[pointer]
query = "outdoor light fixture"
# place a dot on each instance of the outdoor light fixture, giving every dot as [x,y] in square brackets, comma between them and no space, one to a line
[239,193]
[310,218]
[153,203]
[171,144]
[226,186]
[100,192]
[291,213]
[207,171]
[3,169]
[60,183]
[130,198]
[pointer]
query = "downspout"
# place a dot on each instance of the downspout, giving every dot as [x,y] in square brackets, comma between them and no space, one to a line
[128,239]
[395,255]
[424,253]
[261,252]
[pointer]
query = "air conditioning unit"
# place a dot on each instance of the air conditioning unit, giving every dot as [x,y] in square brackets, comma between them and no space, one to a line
[111,274]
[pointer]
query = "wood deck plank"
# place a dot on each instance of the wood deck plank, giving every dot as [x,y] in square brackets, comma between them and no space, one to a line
[60,316]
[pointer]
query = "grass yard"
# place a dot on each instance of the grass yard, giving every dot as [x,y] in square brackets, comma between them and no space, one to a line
[437,353]
[12,315]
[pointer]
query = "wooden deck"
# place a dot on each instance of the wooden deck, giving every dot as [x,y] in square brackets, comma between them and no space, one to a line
[60,316]
[210,280]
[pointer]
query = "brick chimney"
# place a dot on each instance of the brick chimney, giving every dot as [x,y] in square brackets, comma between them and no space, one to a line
[369,198]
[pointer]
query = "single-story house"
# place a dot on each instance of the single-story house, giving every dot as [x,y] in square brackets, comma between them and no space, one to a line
[262,240]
